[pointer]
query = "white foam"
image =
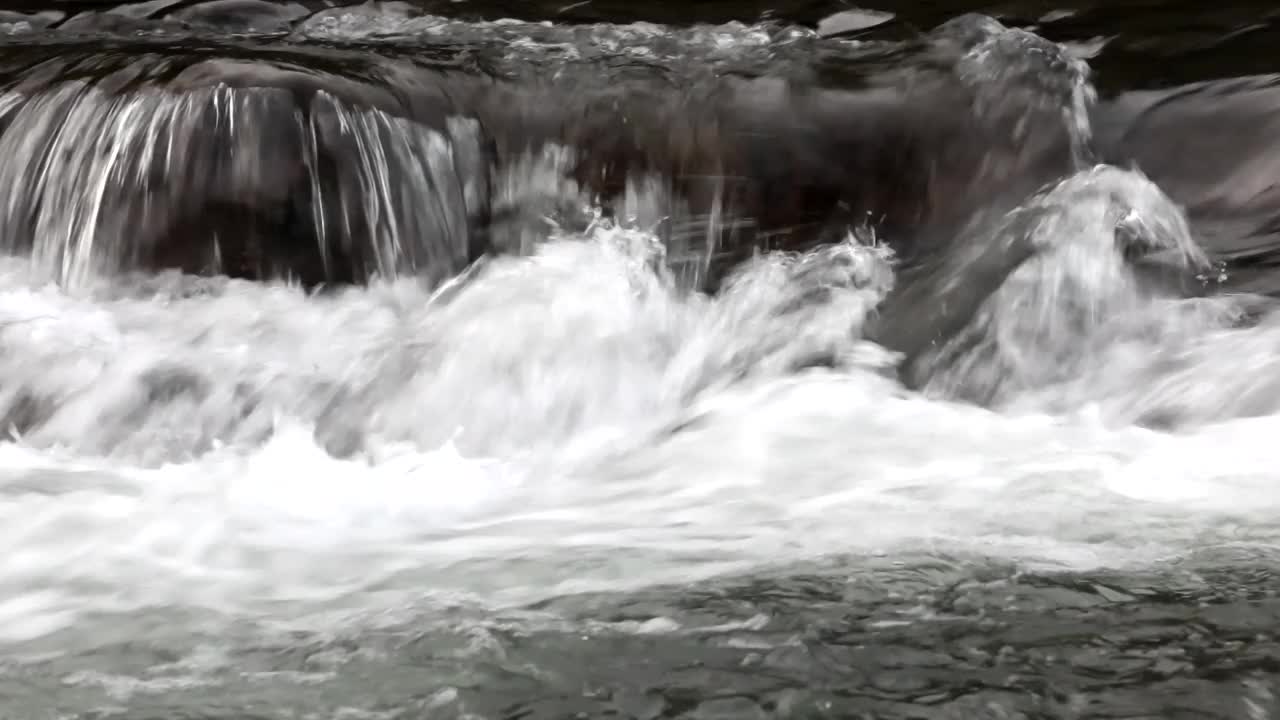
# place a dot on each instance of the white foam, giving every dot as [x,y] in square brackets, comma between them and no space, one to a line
[563,422]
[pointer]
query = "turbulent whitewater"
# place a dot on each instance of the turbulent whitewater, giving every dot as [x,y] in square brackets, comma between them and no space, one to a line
[561,480]
[245,458]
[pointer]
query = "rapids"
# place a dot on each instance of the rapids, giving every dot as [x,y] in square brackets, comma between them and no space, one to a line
[176,453]
[559,479]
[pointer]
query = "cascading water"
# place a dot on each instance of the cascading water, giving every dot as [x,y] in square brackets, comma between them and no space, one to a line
[107,176]
[1014,479]
[1040,325]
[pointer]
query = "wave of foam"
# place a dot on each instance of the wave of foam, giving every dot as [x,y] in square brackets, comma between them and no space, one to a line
[568,421]
[524,352]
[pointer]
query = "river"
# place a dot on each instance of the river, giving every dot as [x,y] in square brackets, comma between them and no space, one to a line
[565,485]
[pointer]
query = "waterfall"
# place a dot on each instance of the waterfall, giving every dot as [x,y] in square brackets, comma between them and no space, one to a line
[118,173]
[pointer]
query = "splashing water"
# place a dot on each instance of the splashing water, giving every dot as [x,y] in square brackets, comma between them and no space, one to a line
[565,421]
[484,353]
[201,469]
[1017,75]
[1040,326]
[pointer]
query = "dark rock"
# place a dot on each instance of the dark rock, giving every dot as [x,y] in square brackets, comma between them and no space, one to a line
[852,21]
[107,22]
[241,15]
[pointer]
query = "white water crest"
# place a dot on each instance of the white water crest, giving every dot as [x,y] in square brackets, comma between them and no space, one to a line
[1042,325]
[567,421]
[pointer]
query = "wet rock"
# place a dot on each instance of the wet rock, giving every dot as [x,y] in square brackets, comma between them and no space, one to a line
[142,10]
[242,15]
[106,22]
[1056,15]
[852,21]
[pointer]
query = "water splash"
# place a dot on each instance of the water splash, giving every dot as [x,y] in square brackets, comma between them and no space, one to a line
[221,488]
[1042,325]
[566,421]
[534,193]
[512,358]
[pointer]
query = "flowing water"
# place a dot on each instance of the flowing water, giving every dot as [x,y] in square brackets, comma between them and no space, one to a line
[561,482]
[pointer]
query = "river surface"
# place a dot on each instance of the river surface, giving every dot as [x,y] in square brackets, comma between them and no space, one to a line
[567,487]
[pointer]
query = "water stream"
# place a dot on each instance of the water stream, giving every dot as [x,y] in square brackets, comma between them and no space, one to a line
[560,480]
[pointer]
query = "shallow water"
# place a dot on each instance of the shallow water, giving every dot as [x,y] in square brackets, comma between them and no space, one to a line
[564,485]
